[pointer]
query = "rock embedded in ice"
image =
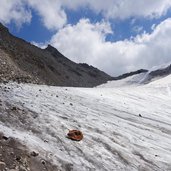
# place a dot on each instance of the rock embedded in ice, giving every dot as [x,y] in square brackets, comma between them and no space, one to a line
[75,135]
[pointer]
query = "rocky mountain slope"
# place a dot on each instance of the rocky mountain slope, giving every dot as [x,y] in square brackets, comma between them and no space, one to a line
[23,62]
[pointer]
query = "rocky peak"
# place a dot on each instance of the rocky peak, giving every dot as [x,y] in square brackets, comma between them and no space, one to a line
[3,29]
[53,51]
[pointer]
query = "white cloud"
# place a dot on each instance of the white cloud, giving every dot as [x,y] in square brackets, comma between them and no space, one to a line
[137,29]
[40,45]
[53,13]
[85,42]
[81,41]
[14,10]
[123,9]
[19,11]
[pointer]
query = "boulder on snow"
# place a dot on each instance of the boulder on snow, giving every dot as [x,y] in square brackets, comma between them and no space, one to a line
[75,135]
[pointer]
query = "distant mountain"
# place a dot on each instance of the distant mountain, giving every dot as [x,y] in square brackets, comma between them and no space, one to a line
[23,62]
[140,77]
[130,74]
[157,73]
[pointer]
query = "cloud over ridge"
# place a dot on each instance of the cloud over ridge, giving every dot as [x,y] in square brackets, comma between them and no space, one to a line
[85,42]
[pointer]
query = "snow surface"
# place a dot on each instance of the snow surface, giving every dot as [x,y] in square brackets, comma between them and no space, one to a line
[116,138]
[129,81]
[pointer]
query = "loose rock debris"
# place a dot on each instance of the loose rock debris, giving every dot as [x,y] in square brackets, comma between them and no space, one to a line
[14,156]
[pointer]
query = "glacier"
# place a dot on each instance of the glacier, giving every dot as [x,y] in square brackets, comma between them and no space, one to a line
[126,125]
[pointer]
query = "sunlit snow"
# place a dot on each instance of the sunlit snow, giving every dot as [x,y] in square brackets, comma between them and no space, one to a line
[125,127]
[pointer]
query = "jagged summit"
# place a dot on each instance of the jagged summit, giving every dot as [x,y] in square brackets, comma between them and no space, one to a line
[53,51]
[3,28]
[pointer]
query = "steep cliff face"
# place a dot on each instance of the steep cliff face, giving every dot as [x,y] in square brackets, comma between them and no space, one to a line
[23,62]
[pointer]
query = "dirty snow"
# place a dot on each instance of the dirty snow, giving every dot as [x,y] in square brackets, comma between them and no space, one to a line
[116,138]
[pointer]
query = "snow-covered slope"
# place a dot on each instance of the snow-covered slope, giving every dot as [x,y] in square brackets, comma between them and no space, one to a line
[162,81]
[153,75]
[125,129]
[129,81]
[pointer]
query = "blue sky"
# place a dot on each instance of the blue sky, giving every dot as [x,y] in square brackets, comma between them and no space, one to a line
[116,36]
[123,29]
[34,31]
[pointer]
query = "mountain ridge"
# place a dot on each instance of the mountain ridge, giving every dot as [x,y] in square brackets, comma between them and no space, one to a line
[24,62]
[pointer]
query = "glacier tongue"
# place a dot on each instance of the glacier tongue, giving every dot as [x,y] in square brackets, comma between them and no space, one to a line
[125,128]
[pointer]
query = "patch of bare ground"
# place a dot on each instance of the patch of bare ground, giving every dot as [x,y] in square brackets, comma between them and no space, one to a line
[14,156]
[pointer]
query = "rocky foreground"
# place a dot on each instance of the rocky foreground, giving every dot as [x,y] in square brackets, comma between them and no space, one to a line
[15,156]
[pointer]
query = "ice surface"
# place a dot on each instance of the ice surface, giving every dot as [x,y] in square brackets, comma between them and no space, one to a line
[126,128]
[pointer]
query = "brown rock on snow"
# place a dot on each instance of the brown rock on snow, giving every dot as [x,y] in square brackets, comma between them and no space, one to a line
[75,135]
